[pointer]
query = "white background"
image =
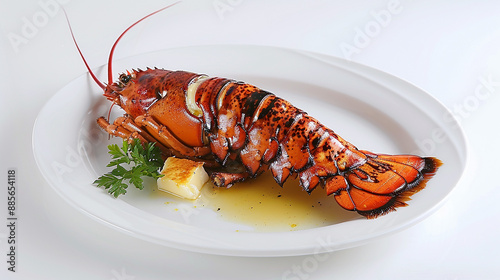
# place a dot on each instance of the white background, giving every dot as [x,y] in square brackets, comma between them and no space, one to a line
[451,49]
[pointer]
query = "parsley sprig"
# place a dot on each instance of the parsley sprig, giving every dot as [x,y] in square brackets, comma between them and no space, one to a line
[141,161]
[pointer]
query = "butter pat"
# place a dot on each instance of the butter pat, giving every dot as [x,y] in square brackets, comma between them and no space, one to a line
[182,177]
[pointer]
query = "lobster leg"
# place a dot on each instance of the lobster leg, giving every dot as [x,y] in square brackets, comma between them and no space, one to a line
[224,179]
[233,173]
[129,124]
[124,127]
[162,134]
[118,130]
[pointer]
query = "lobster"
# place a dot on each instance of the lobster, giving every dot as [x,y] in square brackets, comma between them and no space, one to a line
[239,131]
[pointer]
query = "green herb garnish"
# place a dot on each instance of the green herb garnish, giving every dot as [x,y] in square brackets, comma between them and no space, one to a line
[140,160]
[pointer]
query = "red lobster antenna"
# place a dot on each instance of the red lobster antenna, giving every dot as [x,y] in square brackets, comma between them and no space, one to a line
[101,85]
[110,73]
[110,60]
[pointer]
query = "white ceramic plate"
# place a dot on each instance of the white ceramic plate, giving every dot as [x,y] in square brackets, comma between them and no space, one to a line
[371,109]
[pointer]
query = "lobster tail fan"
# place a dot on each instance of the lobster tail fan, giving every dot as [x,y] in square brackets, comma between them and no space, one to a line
[382,184]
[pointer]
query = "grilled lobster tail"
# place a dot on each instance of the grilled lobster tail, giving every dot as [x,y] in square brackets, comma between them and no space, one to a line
[261,131]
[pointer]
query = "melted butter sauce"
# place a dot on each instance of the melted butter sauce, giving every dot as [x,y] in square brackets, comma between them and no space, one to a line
[265,206]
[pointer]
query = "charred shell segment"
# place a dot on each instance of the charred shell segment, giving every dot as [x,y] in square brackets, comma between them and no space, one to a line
[349,157]
[225,120]
[281,166]
[286,116]
[240,102]
[191,93]
[268,126]
[262,145]
[295,150]
[231,105]
[297,144]
[205,99]
[322,148]
[267,105]
[252,104]
[221,95]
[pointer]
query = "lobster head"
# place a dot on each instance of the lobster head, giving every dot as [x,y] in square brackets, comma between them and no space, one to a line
[125,93]
[136,91]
